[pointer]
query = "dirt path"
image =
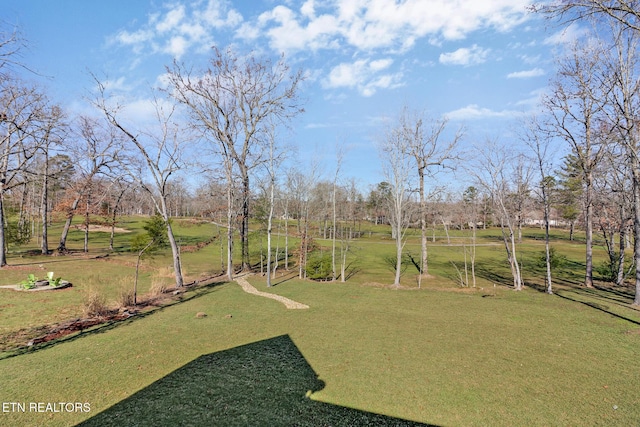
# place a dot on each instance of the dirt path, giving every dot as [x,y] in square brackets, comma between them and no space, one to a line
[290,304]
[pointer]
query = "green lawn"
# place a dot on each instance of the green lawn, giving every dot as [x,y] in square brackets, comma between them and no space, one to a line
[440,355]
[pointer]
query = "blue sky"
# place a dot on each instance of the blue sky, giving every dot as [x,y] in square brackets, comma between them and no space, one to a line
[482,63]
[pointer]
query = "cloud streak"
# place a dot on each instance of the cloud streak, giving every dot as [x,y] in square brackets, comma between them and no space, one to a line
[465,56]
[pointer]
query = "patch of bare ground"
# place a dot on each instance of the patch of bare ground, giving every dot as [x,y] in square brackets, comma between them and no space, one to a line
[101,228]
[290,304]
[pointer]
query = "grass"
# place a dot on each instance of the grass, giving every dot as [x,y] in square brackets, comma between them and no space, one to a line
[442,355]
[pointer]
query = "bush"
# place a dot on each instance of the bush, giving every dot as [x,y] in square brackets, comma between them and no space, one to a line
[94,304]
[156,229]
[157,288]
[319,266]
[125,297]
[608,270]
[556,260]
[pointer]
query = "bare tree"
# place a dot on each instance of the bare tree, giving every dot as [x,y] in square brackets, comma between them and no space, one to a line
[397,168]
[97,151]
[20,112]
[162,151]
[625,12]
[274,160]
[424,141]
[496,170]
[233,101]
[53,132]
[339,158]
[623,73]
[576,107]
[538,142]
[11,44]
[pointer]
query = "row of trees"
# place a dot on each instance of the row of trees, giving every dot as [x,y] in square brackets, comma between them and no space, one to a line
[594,105]
[226,120]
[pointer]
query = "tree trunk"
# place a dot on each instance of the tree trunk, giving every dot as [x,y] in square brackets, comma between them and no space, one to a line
[572,226]
[244,226]
[286,235]
[3,241]
[269,226]
[588,279]
[547,247]
[62,246]
[396,281]
[424,267]
[636,224]
[230,230]
[86,223]
[333,235]
[44,245]
[175,251]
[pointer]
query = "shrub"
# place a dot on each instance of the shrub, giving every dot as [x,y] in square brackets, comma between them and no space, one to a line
[156,229]
[608,270]
[319,266]
[125,297]
[94,304]
[157,288]
[556,260]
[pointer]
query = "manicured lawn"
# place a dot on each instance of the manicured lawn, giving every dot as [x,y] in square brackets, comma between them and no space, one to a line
[441,355]
[445,358]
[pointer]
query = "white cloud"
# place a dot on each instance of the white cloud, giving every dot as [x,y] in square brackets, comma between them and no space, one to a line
[465,56]
[171,20]
[388,24]
[364,76]
[530,59]
[290,35]
[474,112]
[180,27]
[536,72]
[380,64]
[177,46]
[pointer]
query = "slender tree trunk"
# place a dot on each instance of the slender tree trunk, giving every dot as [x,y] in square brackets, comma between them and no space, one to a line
[333,238]
[269,227]
[62,246]
[473,255]
[396,281]
[547,248]
[588,280]
[621,246]
[114,216]
[44,245]
[517,276]
[344,248]
[244,225]
[424,266]
[286,235]
[572,226]
[86,223]
[636,224]
[3,241]
[175,250]
[230,230]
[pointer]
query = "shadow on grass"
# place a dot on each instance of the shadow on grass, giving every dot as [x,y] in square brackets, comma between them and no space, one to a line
[266,383]
[595,301]
[112,324]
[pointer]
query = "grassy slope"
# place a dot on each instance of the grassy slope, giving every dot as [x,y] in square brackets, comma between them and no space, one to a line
[438,357]
[483,357]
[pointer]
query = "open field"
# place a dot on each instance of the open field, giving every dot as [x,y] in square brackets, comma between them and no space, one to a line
[441,355]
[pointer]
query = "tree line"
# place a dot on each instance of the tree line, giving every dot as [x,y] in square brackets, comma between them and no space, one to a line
[225,120]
